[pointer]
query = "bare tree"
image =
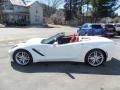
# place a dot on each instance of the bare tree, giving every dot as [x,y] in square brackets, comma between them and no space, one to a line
[55,3]
[52,6]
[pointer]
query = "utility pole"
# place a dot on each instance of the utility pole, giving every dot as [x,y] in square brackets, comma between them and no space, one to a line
[71,9]
[1,11]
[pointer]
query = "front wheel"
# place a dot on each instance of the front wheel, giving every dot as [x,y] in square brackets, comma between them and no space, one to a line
[22,57]
[95,58]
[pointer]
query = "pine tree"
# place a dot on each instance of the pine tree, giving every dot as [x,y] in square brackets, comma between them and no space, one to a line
[73,8]
[101,8]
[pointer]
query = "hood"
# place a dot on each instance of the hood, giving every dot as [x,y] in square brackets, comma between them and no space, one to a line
[33,41]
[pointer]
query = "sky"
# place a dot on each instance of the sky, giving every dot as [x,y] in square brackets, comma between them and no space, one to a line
[118,11]
[61,6]
[45,1]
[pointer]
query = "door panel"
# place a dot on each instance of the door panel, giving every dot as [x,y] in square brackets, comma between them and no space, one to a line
[65,52]
[39,52]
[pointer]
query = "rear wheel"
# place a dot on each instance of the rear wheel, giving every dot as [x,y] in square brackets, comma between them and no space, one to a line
[118,33]
[95,58]
[22,57]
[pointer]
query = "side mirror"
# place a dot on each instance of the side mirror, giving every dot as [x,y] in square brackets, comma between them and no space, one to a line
[55,44]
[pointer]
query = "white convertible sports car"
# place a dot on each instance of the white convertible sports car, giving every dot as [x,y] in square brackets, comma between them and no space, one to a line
[90,49]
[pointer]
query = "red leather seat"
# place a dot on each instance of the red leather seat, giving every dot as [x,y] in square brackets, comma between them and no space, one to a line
[74,38]
[77,38]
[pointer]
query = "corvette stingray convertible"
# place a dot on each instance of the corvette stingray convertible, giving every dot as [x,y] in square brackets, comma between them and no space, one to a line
[92,50]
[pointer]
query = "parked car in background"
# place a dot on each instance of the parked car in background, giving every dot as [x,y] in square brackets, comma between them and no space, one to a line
[117,27]
[109,30]
[90,29]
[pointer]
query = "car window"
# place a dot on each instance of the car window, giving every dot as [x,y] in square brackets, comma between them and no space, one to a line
[96,26]
[85,26]
[52,39]
[117,25]
[109,26]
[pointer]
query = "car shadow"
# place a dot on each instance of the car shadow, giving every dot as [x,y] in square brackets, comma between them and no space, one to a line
[110,68]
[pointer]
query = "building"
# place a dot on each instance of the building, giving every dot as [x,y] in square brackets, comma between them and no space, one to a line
[36,12]
[106,20]
[20,12]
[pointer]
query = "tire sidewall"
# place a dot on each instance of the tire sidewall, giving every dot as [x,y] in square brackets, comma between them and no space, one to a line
[14,55]
[87,55]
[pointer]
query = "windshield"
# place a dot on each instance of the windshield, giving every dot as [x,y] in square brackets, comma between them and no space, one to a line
[97,26]
[117,25]
[109,26]
[52,39]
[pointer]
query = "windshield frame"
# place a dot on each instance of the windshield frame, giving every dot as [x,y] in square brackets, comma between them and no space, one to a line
[53,38]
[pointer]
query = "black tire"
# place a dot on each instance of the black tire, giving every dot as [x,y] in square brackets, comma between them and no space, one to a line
[118,33]
[100,52]
[30,61]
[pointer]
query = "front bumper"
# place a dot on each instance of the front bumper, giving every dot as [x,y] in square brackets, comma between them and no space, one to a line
[10,52]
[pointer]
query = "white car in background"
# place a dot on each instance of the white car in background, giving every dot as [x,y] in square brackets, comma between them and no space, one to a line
[117,27]
[90,49]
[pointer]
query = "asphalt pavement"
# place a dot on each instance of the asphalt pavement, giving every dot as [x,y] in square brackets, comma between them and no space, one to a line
[54,76]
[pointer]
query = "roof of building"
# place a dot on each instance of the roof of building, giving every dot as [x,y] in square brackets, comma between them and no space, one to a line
[31,3]
[18,2]
[22,2]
